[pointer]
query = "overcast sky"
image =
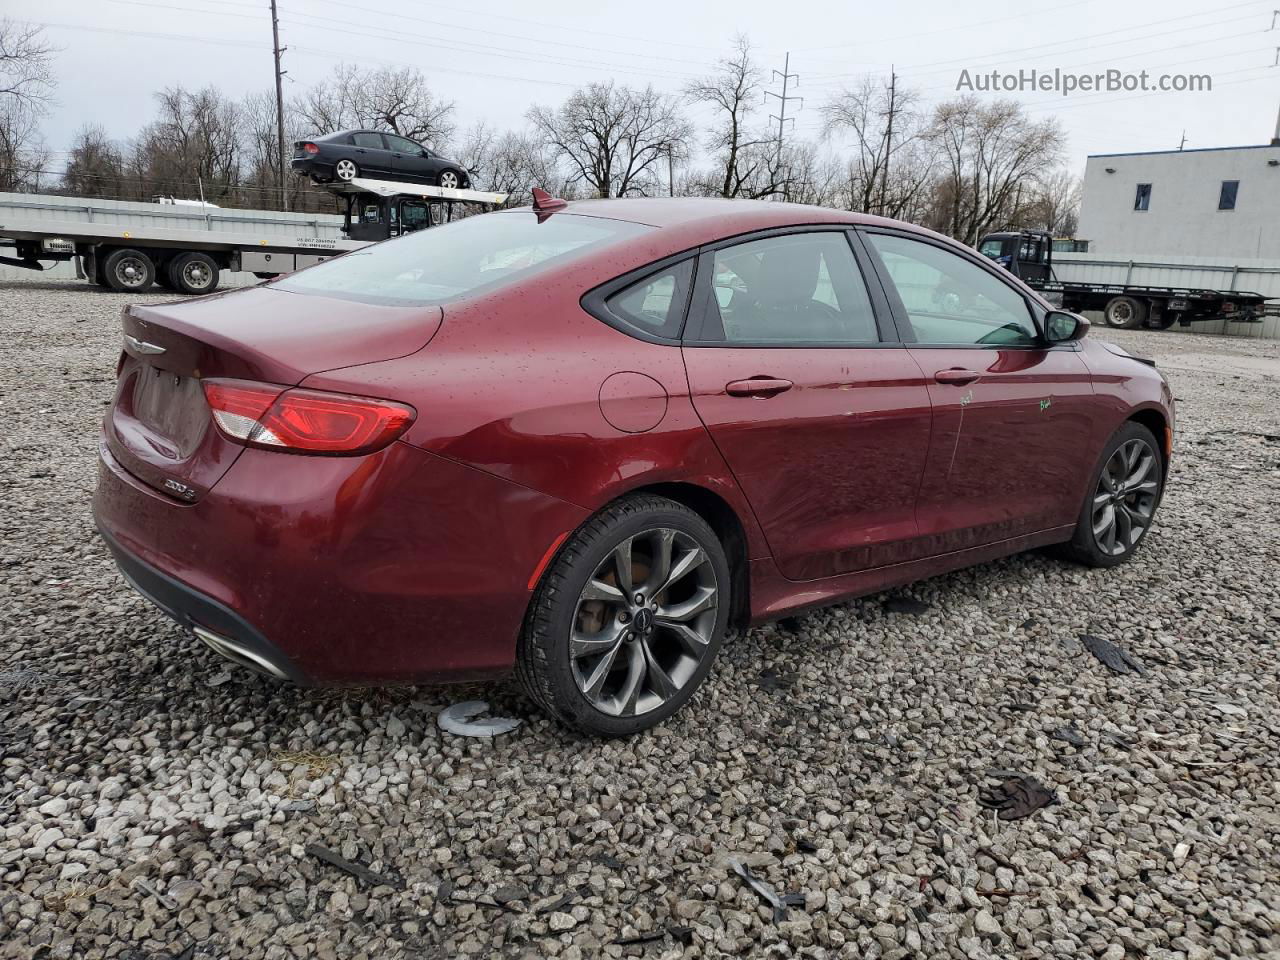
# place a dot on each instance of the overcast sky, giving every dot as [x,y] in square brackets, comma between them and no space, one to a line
[495,60]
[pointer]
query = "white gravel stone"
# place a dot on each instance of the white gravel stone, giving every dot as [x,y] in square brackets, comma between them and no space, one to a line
[119,760]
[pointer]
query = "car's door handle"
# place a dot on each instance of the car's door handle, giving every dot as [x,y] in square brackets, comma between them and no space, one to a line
[956,376]
[757,387]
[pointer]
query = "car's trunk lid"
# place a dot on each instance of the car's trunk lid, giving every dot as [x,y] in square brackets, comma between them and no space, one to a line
[159,426]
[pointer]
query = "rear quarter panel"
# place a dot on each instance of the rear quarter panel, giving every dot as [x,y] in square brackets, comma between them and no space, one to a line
[512,384]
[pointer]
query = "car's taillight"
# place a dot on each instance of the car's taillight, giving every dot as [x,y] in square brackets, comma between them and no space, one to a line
[311,148]
[293,420]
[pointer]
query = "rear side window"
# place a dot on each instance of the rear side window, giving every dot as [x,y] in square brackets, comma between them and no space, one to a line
[798,288]
[656,304]
[458,259]
[367,140]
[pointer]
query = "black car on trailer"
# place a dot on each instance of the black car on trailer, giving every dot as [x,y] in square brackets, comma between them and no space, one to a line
[348,154]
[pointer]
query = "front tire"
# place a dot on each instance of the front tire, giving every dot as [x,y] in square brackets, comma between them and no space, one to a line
[627,619]
[449,178]
[1123,496]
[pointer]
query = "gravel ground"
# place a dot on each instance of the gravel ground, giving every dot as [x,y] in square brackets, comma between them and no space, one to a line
[154,803]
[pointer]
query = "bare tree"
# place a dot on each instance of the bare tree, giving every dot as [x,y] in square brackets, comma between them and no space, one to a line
[989,153]
[613,137]
[95,166]
[396,100]
[1055,203]
[26,90]
[889,164]
[742,156]
[511,162]
[26,65]
[194,147]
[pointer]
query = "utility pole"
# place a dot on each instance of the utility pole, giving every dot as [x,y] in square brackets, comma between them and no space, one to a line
[275,42]
[888,139]
[671,173]
[786,76]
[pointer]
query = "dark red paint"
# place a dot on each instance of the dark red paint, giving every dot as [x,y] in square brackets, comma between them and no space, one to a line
[847,470]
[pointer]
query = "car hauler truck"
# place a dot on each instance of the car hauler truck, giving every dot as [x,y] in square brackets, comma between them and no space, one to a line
[130,246]
[1028,254]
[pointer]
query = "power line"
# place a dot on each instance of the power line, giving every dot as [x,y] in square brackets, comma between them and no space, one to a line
[781,117]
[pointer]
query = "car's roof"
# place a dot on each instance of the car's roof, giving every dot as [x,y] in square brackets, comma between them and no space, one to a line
[705,219]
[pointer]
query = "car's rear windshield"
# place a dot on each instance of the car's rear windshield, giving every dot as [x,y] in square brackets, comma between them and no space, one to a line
[458,259]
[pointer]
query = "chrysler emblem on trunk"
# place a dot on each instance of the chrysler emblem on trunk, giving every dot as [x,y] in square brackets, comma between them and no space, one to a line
[141,346]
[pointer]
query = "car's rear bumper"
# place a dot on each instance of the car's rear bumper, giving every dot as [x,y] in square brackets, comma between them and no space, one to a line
[308,167]
[398,566]
[220,627]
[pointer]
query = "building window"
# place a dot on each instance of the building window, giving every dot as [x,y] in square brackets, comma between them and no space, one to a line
[1227,198]
[1142,199]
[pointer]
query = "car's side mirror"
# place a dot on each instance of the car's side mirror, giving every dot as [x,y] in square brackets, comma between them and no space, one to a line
[1061,326]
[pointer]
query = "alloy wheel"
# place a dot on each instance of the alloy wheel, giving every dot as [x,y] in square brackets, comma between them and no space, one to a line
[345,169]
[449,179]
[644,622]
[1125,499]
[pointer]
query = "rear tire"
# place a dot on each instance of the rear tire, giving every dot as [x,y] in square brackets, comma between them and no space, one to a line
[613,652]
[129,271]
[346,170]
[1125,313]
[193,273]
[1124,493]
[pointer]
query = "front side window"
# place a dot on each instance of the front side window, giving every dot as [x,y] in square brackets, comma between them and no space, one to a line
[1227,196]
[458,259]
[793,289]
[373,140]
[1142,199]
[403,145]
[949,300]
[993,248]
[656,304]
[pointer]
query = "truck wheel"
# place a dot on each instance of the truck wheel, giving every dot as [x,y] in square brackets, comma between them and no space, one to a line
[129,271]
[1125,313]
[193,273]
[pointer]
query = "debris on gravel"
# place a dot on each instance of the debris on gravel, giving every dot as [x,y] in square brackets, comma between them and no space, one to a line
[1113,657]
[129,751]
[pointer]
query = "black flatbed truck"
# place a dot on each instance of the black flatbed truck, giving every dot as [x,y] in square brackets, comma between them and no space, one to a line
[1028,254]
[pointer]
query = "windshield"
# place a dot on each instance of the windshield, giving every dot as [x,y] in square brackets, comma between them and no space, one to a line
[460,258]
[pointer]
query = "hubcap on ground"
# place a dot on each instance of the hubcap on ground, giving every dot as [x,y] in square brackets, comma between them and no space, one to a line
[1125,499]
[644,622]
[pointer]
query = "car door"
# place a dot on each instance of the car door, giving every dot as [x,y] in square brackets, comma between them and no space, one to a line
[820,414]
[371,154]
[1012,415]
[407,160]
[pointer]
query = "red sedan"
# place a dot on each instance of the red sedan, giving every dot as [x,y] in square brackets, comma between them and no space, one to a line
[580,441]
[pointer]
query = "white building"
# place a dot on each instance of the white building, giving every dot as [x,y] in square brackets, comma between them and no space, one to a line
[1221,203]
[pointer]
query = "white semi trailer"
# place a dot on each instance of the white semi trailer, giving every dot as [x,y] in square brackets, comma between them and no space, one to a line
[131,246]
